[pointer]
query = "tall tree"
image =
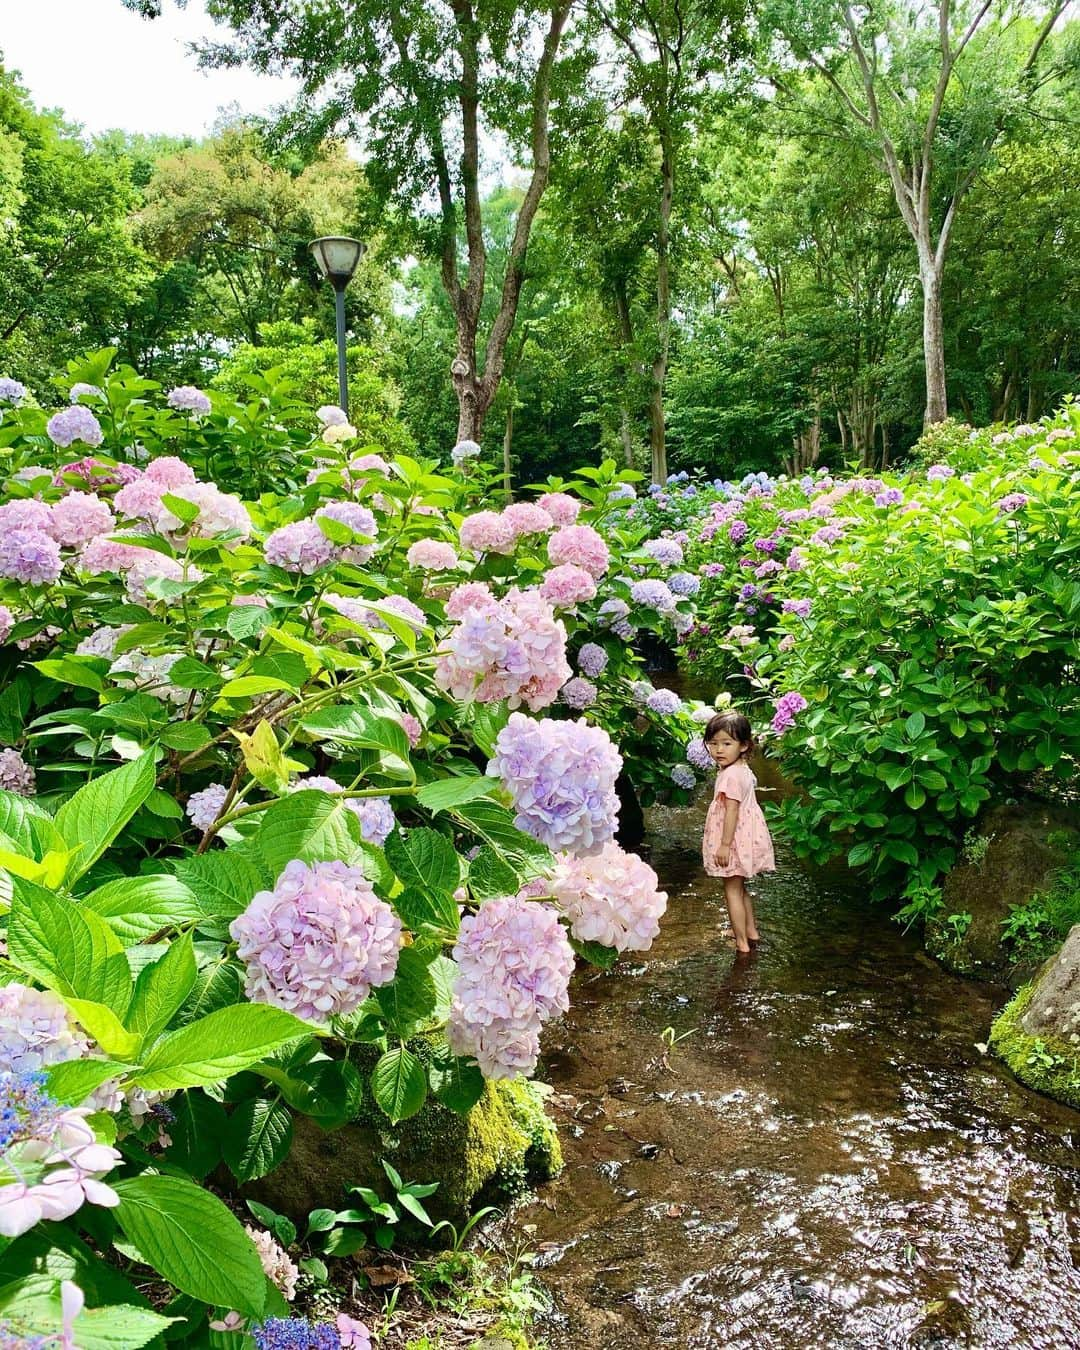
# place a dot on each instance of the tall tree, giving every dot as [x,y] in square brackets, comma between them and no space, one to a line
[930,85]
[423,83]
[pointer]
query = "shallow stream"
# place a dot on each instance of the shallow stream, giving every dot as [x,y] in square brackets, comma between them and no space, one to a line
[827,1158]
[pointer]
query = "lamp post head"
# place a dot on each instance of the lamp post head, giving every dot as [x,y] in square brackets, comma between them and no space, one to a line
[336,258]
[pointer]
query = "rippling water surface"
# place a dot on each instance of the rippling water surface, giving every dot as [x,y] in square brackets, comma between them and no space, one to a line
[826,1159]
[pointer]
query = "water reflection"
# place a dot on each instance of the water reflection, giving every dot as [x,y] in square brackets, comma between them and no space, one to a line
[824,1159]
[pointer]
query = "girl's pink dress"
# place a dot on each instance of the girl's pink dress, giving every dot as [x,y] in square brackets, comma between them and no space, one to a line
[751,848]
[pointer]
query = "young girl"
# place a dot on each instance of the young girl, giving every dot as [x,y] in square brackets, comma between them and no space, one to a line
[736,843]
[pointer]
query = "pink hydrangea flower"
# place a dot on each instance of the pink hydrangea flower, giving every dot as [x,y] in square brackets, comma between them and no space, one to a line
[80,516]
[515,963]
[612,898]
[400,605]
[96,473]
[352,1334]
[16,775]
[30,556]
[300,547]
[470,595]
[486,532]
[561,507]
[411,725]
[362,523]
[318,942]
[513,649]
[109,555]
[527,518]
[7,623]
[155,566]
[581,546]
[36,1030]
[141,501]
[170,472]
[186,398]
[204,807]
[278,1268]
[432,555]
[219,512]
[26,513]
[367,464]
[567,586]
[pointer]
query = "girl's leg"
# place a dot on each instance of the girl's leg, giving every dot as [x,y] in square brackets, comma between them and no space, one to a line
[752,934]
[735,895]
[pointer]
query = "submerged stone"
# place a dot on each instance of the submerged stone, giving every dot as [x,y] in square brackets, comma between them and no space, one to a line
[1038,1033]
[505,1145]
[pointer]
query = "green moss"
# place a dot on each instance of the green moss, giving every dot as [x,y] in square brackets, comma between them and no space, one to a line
[1042,1062]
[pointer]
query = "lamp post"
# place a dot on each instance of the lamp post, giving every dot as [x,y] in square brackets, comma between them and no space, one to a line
[336,259]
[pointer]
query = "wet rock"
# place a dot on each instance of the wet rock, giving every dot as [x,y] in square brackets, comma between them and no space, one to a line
[505,1144]
[1008,860]
[1038,1033]
[630,833]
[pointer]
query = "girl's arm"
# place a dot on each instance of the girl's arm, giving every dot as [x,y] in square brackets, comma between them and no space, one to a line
[727,834]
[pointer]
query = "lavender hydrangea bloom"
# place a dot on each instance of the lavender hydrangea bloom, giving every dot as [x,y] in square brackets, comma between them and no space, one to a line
[11,391]
[889,497]
[737,531]
[683,776]
[204,807]
[561,777]
[79,517]
[652,593]
[666,702]
[667,552]
[294,1333]
[7,623]
[80,390]
[939,473]
[376,818]
[30,556]
[613,611]
[515,963]
[684,583]
[698,755]
[330,415]
[76,423]
[1012,501]
[186,398]
[592,659]
[15,774]
[318,942]
[641,691]
[36,1030]
[786,709]
[358,519]
[578,693]
[300,547]
[464,450]
[798,607]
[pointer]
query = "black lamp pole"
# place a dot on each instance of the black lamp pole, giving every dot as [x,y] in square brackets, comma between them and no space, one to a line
[336,258]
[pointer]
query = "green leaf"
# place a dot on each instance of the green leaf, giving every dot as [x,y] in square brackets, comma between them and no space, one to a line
[72,952]
[488,720]
[456,1082]
[119,1327]
[595,953]
[247,621]
[249,686]
[137,907]
[223,882]
[307,825]
[399,1084]
[915,725]
[217,1046]
[495,824]
[105,1027]
[186,737]
[73,670]
[419,910]
[425,860]
[193,1240]
[71,1082]
[91,819]
[444,793]
[196,1130]
[415,1208]
[330,1091]
[188,673]
[257,1138]
[182,509]
[162,988]
[350,725]
[410,996]
[490,875]
[218,986]
[914,796]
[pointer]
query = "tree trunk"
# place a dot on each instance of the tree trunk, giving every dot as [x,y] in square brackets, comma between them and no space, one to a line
[937,405]
[470,396]
[626,436]
[508,441]
[657,443]
[657,439]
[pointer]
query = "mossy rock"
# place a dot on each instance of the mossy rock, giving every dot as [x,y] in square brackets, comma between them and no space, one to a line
[1017,862]
[503,1146]
[1037,1034]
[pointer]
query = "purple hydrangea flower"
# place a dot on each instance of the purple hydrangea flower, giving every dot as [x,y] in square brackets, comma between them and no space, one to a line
[80,390]
[376,818]
[799,607]
[653,594]
[561,778]
[766,545]
[592,659]
[787,707]
[318,942]
[294,1333]
[666,702]
[299,547]
[737,531]
[938,473]
[30,556]
[748,592]
[1012,501]
[889,497]
[684,583]
[11,391]
[15,774]
[828,534]
[667,552]
[697,753]
[358,519]
[683,776]
[76,423]
[578,693]
[204,807]
[712,569]
[186,398]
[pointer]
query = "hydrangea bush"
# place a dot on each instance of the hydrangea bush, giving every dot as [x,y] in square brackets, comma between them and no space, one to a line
[283,771]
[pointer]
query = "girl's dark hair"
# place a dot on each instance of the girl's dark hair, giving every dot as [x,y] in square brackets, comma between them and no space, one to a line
[734,724]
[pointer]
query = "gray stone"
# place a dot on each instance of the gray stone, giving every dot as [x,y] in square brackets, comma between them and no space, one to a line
[1054,1008]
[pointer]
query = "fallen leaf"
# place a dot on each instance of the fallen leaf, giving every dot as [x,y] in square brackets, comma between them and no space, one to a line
[382,1277]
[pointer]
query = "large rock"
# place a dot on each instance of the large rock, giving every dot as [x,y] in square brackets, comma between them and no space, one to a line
[1011,857]
[1038,1033]
[505,1144]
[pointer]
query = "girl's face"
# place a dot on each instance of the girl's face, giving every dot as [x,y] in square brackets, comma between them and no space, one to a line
[724,749]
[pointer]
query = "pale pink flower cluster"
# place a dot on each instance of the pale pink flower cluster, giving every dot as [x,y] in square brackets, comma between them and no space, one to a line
[470,595]
[412,727]
[581,546]
[513,648]
[151,674]
[26,513]
[7,623]
[487,532]
[527,518]
[15,774]
[432,555]
[204,807]
[612,898]
[567,586]
[277,1266]
[318,942]
[79,517]
[220,513]
[561,507]
[109,555]
[362,523]
[77,1162]
[515,963]
[36,1030]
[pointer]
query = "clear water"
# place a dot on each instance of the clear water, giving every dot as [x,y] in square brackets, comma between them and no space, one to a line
[827,1159]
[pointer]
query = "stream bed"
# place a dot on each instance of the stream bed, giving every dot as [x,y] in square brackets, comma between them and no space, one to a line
[825,1159]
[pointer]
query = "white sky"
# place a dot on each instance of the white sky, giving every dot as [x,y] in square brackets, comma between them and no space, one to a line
[106,67]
